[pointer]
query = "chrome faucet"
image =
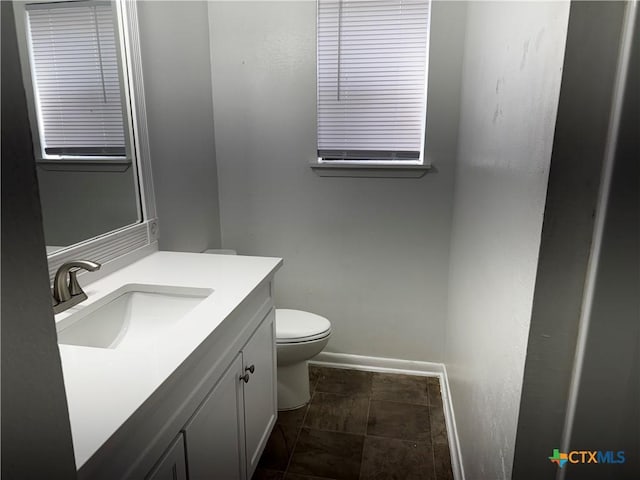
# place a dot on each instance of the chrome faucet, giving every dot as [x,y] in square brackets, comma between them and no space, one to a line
[66,289]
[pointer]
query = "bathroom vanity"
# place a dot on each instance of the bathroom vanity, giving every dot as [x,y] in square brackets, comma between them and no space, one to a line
[193,394]
[169,364]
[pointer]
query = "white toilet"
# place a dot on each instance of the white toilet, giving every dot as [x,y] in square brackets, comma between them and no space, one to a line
[299,337]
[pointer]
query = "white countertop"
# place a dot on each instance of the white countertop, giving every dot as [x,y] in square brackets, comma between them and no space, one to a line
[104,387]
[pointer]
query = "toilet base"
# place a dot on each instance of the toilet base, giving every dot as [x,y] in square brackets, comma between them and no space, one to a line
[293,386]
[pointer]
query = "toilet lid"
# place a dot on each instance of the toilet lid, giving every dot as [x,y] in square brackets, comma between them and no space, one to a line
[294,326]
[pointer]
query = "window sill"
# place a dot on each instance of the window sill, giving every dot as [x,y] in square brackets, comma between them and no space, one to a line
[370,170]
[85,164]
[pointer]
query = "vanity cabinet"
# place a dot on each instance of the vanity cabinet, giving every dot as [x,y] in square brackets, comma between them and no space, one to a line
[212,416]
[228,432]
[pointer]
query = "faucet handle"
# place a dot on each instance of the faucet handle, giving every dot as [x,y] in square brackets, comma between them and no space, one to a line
[74,286]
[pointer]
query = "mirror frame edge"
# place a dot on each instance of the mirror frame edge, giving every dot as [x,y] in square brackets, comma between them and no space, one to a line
[119,246]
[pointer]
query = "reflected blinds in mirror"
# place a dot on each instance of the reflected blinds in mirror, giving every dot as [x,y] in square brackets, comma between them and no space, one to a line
[372,65]
[74,62]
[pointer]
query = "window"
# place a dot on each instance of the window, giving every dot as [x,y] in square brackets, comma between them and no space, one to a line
[372,75]
[77,89]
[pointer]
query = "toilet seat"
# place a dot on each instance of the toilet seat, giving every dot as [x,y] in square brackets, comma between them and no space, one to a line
[296,326]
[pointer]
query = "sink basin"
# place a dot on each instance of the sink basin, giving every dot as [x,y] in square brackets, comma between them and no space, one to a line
[130,316]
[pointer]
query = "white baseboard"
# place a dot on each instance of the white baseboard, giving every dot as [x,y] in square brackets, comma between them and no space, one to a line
[452,430]
[408,367]
[377,364]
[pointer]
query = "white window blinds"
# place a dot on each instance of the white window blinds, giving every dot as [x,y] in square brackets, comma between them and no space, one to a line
[74,62]
[372,72]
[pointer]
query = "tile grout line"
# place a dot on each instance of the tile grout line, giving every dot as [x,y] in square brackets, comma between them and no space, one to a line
[366,429]
[295,443]
[315,429]
[433,445]
[415,404]
[399,439]
[304,418]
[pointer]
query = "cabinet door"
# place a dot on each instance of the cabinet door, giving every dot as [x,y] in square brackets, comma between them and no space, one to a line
[172,466]
[260,397]
[213,435]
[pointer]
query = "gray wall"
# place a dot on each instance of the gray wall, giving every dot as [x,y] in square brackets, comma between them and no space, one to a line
[607,414]
[174,39]
[36,435]
[370,254]
[510,87]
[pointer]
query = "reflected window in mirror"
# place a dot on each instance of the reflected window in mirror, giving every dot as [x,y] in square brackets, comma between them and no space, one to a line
[73,63]
[76,78]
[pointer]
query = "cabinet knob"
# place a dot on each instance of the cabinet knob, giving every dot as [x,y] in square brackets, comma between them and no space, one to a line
[245,378]
[250,368]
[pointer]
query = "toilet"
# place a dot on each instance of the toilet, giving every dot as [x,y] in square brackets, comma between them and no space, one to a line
[299,337]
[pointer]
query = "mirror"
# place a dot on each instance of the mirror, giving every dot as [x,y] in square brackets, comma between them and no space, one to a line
[73,63]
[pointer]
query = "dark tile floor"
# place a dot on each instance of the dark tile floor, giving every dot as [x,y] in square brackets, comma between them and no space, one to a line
[361,425]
